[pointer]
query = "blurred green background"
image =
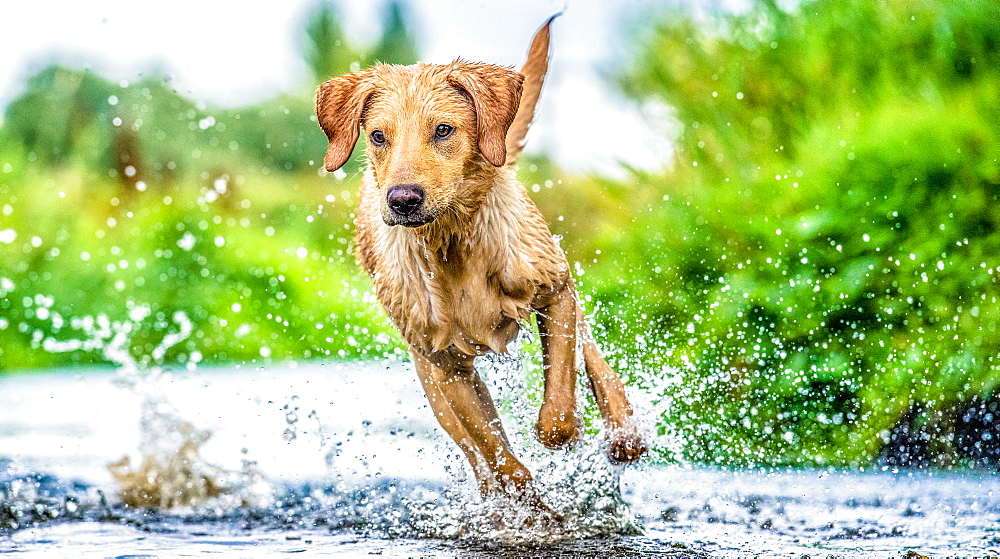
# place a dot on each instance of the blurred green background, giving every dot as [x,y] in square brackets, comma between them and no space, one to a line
[812,281]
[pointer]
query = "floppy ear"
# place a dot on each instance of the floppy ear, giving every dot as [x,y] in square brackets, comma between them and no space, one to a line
[495,92]
[339,103]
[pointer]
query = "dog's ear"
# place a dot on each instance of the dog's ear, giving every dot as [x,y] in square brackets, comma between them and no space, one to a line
[495,92]
[339,103]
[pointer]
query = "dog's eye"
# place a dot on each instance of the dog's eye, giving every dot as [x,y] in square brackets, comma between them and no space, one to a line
[443,131]
[378,138]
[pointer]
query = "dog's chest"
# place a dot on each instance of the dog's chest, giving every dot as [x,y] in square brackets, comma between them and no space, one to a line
[459,295]
[469,294]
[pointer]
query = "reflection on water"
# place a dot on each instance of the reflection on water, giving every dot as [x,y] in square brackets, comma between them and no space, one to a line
[367,472]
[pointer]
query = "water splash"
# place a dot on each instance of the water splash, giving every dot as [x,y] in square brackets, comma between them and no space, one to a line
[171,473]
[581,484]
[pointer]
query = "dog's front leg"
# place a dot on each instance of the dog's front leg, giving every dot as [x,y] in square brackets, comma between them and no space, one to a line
[465,410]
[450,422]
[557,423]
[625,442]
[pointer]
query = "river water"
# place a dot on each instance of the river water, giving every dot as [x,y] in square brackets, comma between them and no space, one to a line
[346,459]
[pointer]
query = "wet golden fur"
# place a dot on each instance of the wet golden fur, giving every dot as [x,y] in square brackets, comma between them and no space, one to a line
[470,264]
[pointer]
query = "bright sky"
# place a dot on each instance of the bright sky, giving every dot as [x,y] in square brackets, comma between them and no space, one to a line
[231,53]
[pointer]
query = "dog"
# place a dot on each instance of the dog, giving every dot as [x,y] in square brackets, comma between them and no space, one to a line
[459,255]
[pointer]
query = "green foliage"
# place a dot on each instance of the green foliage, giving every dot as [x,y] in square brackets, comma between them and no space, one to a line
[820,261]
[826,241]
[260,265]
[145,131]
[397,44]
[326,50]
[124,204]
[328,54]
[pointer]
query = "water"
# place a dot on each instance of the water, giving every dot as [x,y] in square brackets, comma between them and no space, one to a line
[346,459]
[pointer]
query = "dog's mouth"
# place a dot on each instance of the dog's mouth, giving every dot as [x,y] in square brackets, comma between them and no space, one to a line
[409,221]
[406,206]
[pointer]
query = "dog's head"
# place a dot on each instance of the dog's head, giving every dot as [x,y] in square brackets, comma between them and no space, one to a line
[428,128]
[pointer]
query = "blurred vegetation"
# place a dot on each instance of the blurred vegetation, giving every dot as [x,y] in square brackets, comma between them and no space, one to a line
[328,53]
[123,204]
[816,268]
[823,255]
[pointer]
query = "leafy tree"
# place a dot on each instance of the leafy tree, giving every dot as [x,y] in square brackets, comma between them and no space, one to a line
[326,50]
[57,111]
[397,45]
[328,54]
[825,243]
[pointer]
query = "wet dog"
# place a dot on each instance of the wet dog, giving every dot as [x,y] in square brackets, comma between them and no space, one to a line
[459,255]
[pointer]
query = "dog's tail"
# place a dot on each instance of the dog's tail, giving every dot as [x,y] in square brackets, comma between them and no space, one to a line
[534,70]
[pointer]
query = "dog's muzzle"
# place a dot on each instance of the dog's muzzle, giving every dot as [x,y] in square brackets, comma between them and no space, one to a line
[406,205]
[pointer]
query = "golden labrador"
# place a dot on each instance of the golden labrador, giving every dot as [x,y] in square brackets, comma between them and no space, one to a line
[459,255]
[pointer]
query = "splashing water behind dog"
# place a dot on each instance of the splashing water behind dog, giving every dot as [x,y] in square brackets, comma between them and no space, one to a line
[171,473]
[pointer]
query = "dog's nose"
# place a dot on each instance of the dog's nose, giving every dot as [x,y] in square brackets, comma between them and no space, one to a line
[405,199]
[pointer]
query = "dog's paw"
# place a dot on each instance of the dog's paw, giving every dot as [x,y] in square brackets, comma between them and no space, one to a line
[540,513]
[625,444]
[556,430]
[520,489]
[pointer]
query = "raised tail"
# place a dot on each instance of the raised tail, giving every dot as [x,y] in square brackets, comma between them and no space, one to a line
[534,70]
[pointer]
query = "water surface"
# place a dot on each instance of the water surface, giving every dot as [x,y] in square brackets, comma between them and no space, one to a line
[347,459]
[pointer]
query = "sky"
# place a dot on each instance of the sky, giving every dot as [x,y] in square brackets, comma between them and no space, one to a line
[229,53]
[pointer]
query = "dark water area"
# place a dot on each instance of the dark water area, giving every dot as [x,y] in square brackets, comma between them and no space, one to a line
[672,511]
[346,461]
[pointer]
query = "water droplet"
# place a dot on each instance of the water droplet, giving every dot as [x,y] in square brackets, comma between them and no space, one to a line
[187,242]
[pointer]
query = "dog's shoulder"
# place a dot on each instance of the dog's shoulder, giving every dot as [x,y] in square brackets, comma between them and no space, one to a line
[510,226]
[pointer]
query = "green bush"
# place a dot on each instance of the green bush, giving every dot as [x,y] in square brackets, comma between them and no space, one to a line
[132,214]
[819,262]
[256,275]
[822,256]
